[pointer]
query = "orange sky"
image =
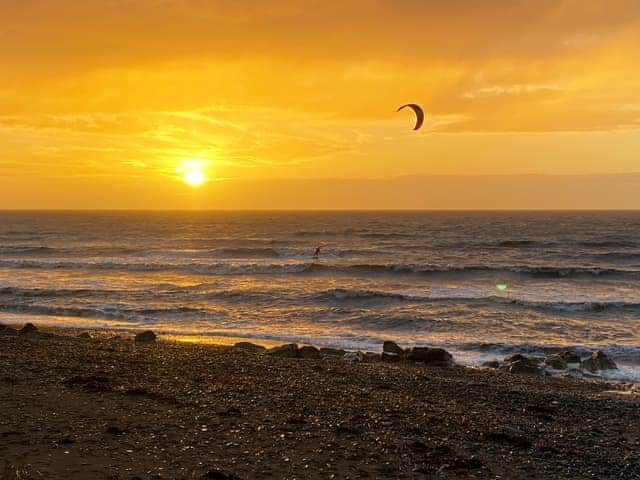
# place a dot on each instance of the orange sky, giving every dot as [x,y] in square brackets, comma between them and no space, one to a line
[291,104]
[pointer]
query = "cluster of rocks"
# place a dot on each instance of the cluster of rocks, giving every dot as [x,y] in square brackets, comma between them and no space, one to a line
[391,352]
[27,329]
[567,361]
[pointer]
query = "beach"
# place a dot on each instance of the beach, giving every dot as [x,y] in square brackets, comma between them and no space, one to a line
[104,406]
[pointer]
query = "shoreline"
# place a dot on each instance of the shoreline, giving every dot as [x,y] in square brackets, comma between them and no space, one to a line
[78,408]
[624,374]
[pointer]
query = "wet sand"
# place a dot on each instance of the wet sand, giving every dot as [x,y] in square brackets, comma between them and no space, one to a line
[99,408]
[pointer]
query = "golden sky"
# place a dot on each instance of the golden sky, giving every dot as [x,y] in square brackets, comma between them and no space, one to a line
[291,104]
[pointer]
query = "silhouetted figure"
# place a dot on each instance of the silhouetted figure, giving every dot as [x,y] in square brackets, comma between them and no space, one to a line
[317,254]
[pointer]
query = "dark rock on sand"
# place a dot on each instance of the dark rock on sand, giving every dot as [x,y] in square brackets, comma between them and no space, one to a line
[526,366]
[556,362]
[220,475]
[145,337]
[599,361]
[249,346]
[569,356]
[9,332]
[392,347]
[430,356]
[332,352]
[308,352]
[28,329]
[289,350]
[86,335]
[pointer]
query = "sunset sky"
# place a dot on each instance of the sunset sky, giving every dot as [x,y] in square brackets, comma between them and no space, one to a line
[291,104]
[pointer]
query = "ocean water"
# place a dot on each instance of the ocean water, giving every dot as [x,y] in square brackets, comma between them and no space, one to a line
[481,284]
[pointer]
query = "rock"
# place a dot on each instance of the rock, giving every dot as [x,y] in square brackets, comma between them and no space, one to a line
[599,361]
[556,362]
[9,332]
[390,357]
[28,329]
[526,367]
[85,335]
[145,337]
[430,356]
[220,475]
[352,357]
[392,347]
[569,356]
[289,350]
[515,358]
[491,364]
[332,352]
[249,346]
[115,338]
[371,357]
[308,352]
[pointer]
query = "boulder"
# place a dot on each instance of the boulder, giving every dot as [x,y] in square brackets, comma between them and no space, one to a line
[526,366]
[569,356]
[86,335]
[430,356]
[289,350]
[253,347]
[352,357]
[332,352]
[491,364]
[28,329]
[308,352]
[145,337]
[556,362]
[598,361]
[392,347]
[9,332]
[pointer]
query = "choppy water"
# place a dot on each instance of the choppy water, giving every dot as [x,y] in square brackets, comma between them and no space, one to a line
[419,278]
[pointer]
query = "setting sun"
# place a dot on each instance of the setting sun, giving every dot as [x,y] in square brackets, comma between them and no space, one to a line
[194,177]
[192,172]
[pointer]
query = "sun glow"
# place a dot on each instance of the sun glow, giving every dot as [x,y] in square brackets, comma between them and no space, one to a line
[192,173]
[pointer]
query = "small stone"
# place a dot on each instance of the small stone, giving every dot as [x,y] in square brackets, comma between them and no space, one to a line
[308,352]
[431,356]
[219,475]
[556,362]
[9,332]
[249,346]
[599,361]
[289,350]
[86,335]
[392,347]
[28,329]
[145,337]
[332,352]
[515,358]
[526,366]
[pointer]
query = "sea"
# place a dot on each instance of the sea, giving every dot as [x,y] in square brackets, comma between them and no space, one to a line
[483,285]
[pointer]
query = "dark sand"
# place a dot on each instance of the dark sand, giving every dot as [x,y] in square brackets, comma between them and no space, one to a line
[74,408]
